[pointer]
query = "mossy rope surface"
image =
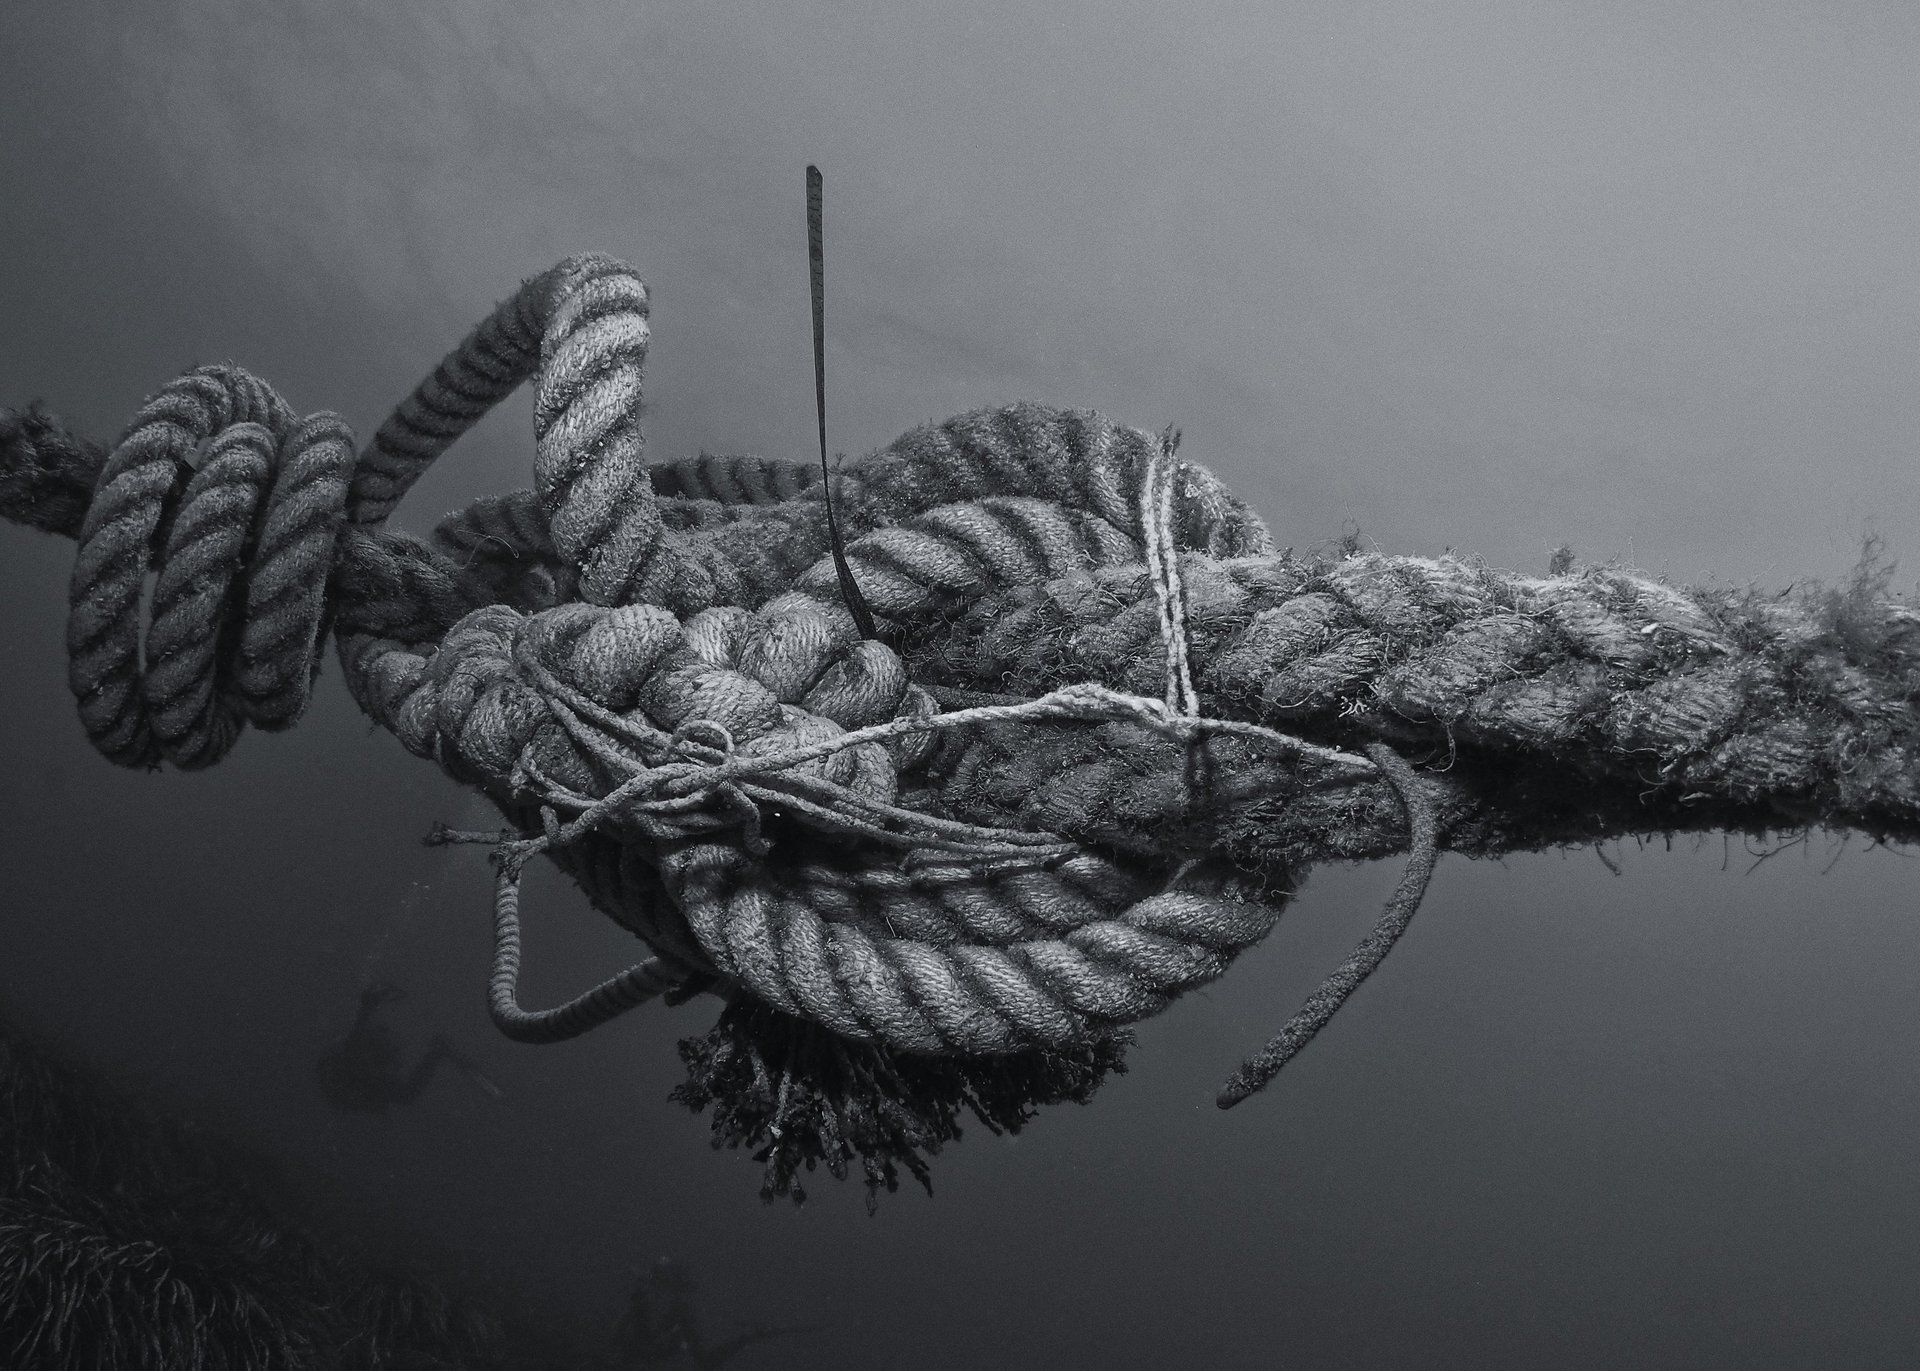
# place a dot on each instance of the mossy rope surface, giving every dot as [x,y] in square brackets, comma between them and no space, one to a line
[1104,732]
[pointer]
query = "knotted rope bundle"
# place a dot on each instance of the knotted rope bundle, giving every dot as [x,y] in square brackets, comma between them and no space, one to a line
[1104,730]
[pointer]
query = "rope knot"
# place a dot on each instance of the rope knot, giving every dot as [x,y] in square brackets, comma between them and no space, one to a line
[652,671]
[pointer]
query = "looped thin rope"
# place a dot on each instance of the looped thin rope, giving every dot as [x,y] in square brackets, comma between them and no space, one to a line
[639,984]
[677,787]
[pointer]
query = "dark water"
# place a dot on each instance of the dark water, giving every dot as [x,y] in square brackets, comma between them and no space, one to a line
[1484,276]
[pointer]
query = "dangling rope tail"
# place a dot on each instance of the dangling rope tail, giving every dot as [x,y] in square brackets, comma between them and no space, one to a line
[1163,565]
[1325,1002]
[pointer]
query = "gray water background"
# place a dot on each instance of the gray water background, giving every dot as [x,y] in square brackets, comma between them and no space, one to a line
[1638,277]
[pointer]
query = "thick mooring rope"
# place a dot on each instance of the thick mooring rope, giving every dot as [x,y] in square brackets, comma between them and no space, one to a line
[1103,730]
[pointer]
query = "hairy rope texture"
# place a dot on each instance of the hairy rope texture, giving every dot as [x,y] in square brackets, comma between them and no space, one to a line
[1101,731]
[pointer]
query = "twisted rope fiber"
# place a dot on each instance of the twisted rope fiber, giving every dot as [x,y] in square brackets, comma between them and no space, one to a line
[1103,731]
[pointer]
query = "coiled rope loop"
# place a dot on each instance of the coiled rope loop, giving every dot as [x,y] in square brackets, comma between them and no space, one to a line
[235,505]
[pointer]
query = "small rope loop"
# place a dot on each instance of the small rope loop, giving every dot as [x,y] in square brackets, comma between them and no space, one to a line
[617,995]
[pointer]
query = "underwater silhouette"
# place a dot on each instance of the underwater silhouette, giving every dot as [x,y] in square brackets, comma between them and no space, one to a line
[361,1073]
[133,1239]
[661,1326]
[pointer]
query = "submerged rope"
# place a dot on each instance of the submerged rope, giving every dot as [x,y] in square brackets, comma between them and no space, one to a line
[1100,733]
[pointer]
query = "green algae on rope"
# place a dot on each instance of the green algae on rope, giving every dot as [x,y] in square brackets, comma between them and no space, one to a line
[1159,724]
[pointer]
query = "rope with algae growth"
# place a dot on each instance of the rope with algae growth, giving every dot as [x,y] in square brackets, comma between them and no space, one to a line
[1103,731]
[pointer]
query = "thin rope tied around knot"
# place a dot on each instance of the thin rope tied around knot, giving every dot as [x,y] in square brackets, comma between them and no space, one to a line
[656,788]
[1104,729]
[1163,566]
[666,788]
[936,1012]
